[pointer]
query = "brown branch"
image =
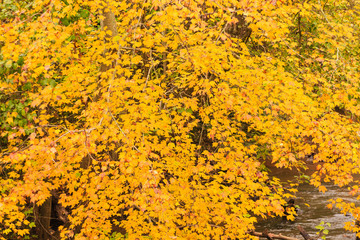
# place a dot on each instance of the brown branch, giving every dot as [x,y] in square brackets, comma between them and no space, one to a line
[271,236]
[267,235]
[303,233]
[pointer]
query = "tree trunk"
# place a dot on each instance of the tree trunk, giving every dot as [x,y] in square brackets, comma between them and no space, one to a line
[109,23]
[42,218]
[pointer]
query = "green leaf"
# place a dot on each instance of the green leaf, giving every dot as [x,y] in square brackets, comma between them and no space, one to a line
[8,64]
[20,61]
[84,13]
[52,83]
[27,86]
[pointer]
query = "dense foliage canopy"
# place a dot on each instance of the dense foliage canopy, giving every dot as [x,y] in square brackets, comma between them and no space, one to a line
[153,118]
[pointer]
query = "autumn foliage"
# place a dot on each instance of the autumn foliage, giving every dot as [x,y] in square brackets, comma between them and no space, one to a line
[153,118]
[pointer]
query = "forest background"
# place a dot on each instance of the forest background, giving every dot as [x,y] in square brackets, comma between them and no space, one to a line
[154,118]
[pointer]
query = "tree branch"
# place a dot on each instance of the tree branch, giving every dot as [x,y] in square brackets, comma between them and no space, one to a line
[268,235]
